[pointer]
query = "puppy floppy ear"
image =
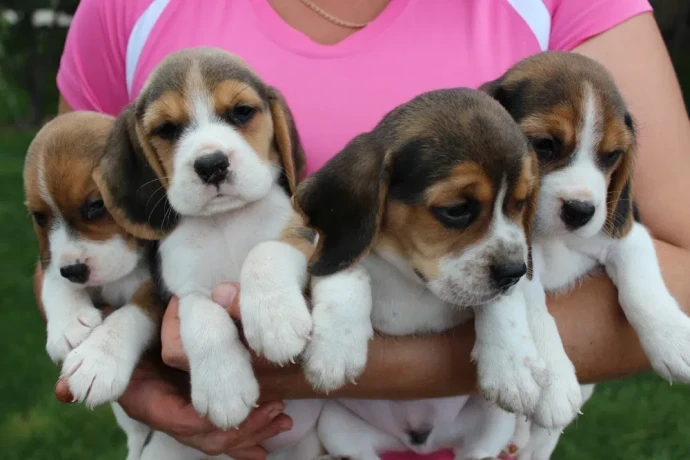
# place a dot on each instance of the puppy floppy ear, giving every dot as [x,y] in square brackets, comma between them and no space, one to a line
[620,213]
[530,213]
[344,202]
[286,141]
[130,186]
[510,95]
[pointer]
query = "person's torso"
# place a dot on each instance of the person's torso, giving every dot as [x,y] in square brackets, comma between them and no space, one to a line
[338,91]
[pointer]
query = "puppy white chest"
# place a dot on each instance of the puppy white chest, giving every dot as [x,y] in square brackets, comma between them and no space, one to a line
[560,264]
[403,306]
[119,292]
[205,251]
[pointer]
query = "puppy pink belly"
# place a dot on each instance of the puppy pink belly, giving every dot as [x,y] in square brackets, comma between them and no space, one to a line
[440,455]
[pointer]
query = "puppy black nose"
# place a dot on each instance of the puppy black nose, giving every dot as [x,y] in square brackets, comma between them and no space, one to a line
[418,437]
[507,275]
[76,273]
[212,168]
[576,213]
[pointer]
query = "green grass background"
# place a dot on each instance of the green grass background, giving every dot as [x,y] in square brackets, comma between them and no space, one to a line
[640,418]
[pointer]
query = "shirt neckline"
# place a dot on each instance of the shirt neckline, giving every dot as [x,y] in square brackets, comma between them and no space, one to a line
[285,36]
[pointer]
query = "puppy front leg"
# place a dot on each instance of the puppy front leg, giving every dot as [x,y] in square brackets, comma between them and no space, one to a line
[539,443]
[662,327]
[561,400]
[275,318]
[70,315]
[337,352]
[509,368]
[99,369]
[137,433]
[224,387]
[519,438]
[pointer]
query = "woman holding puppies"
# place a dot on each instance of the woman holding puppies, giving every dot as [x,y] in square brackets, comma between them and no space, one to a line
[341,66]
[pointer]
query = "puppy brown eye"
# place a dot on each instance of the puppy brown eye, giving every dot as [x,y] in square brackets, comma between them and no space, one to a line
[609,159]
[93,210]
[40,218]
[547,148]
[168,131]
[519,204]
[240,114]
[457,216]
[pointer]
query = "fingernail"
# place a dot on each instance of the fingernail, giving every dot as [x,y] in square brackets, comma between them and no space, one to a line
[63,393]
[224,294]
[275,411]
[285,425]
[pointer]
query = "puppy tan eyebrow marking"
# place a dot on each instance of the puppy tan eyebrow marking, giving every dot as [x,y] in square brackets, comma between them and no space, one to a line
[169,107]
[232,92]
[468,177]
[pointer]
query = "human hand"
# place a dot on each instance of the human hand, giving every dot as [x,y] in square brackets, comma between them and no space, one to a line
[159,397]
[276,382]
[172,352]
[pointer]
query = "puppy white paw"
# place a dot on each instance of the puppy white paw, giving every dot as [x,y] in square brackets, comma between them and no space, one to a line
[668,347]
[512,379]
[560,401]
[224,387]
[336,355]
[277,326]
[275,318]
[63,336]
[99,370]
[337,352]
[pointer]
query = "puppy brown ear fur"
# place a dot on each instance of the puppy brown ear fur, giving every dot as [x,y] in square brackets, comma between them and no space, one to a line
[287,140]
[130,187]
[344,202]
[619,212]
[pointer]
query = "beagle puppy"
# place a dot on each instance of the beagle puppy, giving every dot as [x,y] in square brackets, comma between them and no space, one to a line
[88,260]
[204,161]
[577,121]
[434,204]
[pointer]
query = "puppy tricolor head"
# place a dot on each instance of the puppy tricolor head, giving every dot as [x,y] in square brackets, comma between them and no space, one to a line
[570,109]
[444,186]
[78,239]
[205,136]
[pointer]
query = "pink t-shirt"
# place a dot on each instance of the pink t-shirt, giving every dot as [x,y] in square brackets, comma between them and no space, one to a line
[338,91]
[334,91]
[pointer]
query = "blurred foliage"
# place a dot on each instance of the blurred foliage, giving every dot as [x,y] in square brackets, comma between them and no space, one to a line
[29,57]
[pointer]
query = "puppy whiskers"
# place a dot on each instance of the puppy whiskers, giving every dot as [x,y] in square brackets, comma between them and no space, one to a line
[152,194]
[152,181]
[155,206]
